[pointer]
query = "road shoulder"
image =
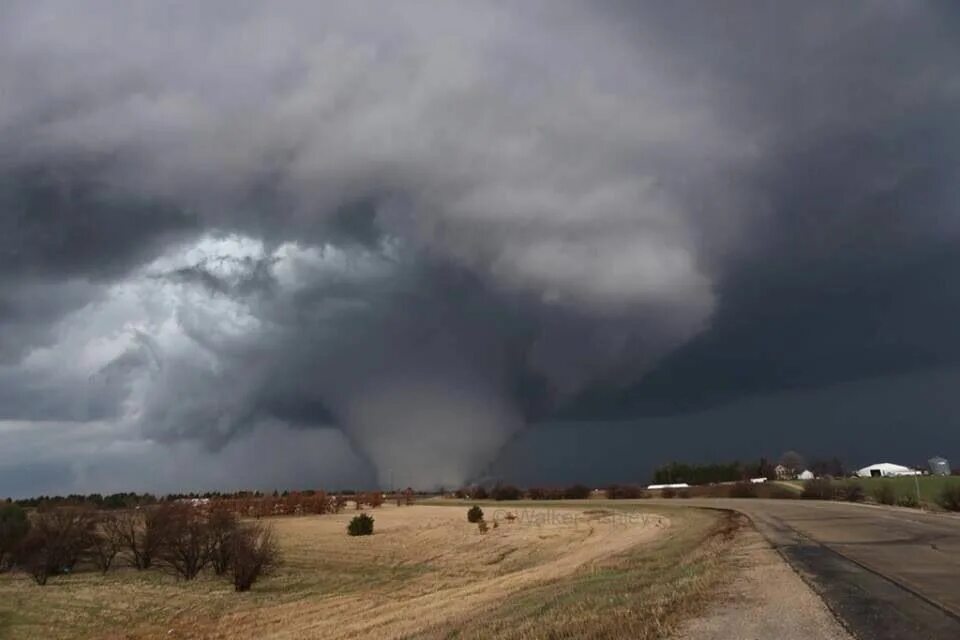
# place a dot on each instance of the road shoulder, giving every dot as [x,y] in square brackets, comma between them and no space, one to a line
[764,598]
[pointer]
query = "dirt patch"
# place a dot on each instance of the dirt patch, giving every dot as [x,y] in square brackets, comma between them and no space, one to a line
[764,599]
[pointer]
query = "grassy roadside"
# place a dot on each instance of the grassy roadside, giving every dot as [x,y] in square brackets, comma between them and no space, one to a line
[930,487]
[642,594]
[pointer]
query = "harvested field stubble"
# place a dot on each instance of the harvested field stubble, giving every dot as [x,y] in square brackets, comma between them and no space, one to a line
[426,572]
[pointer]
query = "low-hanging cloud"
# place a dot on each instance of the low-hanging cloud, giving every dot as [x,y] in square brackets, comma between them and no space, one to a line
[428,225]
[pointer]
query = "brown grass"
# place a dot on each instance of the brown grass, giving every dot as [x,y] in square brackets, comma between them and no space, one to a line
[426,572]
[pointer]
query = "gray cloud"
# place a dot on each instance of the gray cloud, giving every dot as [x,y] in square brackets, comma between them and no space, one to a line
[430,226]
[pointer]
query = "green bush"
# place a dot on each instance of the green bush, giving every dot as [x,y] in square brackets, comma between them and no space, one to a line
[949,497]
[908,500]
[361,525]
[474,514]
[885,493]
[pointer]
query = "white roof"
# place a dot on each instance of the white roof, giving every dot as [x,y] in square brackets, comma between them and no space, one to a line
[886,466]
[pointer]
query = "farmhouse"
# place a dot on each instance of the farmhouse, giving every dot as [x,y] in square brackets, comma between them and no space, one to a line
[886,470]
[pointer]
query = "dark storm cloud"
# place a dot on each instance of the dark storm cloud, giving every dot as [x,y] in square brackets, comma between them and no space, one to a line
[64,221]
[432,227]
[844,275]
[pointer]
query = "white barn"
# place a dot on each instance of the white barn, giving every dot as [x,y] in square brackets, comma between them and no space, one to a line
[886,470]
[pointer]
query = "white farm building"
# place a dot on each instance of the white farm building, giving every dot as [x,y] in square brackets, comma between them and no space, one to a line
[886,470]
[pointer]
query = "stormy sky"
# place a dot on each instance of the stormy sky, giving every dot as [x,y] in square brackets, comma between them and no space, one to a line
[265,245]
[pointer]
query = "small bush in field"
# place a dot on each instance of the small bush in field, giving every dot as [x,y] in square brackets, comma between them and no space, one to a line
[482,526]
[743,490]
[908,500]
[818,489]
[474,514]
[361,525]
[852,492]
[949,498]
[253,553]
[884,493]
[668,493]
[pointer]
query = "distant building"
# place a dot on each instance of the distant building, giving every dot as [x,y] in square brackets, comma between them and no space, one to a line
[939,466]
[783,473]
[886,470]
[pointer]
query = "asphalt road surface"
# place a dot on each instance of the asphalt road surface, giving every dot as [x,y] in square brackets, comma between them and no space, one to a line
[886,573]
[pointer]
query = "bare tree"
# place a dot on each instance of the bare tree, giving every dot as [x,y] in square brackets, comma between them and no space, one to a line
[139,532]
[223,524]
[56,541]
[187,544]
[105,543]
[254,553]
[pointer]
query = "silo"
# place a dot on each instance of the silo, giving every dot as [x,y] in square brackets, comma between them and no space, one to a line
[939,466]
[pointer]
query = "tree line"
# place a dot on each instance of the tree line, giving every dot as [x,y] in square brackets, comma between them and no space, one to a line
[175,537]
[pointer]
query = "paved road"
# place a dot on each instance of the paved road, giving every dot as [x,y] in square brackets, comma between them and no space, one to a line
[886,573]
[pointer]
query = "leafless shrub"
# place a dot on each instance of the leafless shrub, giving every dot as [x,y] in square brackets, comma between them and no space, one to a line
[139,533]
[625,492]
[851,491]
[187,545]
[949,497]
[908,500]
[223,526]
[254,552]
[105,544]
[885,493]
[56,541]
[818,489]
[373,499]
[743,490]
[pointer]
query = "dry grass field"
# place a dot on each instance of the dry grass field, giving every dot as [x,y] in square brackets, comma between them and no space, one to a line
[558,570]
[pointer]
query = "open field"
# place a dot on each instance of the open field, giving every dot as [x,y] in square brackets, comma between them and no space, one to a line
[559,570]
[930,486]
